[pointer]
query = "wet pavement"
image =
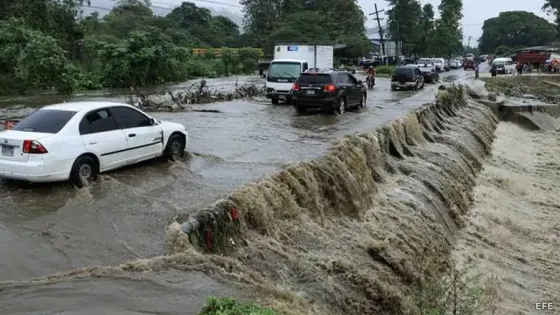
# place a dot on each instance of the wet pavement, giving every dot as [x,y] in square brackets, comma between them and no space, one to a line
[49,228]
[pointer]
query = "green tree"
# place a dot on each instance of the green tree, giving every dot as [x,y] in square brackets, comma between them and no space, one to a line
[32,60]
[447,36]
[553,7]
[262,17]
[515,29]
[405,22]
[427,23]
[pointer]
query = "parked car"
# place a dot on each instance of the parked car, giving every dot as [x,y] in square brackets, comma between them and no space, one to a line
[453,64]
[446,65]
[430,76]
[77,141]
[469,64]
[407,78]
[329,90]
[438,62]
[426,63]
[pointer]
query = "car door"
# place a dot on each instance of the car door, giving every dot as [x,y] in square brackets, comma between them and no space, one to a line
[102,136]
[144,140]
[354,89]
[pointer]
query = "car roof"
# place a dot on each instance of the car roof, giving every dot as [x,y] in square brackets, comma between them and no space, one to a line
[83,106]
[287,60]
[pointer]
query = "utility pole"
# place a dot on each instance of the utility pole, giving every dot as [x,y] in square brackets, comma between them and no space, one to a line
[378,19]
[469,42]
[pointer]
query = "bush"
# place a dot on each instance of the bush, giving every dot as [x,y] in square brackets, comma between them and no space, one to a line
[385,70]
[447,288]
[227,306]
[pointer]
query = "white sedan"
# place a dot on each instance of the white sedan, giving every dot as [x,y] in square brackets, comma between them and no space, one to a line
[77,141]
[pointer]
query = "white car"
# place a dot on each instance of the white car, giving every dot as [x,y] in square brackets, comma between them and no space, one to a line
[77,141]
[439,64]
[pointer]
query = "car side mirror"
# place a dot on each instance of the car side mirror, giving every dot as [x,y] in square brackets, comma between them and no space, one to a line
[153,122]
[360,82]
[263,76]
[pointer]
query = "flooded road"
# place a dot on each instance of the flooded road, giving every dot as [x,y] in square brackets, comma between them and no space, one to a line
[49,228]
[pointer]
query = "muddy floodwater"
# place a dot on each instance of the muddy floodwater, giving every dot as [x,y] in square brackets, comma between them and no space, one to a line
[50,228]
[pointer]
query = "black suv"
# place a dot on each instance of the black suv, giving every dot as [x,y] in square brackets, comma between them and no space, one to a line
[409,77]
[329,90]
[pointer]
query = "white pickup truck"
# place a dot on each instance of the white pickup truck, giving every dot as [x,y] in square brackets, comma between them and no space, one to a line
[289,62]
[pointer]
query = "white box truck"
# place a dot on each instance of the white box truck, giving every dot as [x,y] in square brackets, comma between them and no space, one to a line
[291,60]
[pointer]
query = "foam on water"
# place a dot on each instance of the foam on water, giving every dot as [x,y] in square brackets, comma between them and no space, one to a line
[339,234]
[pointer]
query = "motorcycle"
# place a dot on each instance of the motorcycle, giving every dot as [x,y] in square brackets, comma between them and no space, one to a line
[370,81]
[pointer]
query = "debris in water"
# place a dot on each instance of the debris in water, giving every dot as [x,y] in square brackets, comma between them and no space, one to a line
[198,93]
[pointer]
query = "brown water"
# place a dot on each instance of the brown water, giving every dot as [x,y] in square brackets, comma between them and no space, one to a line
[45,229]
[514,232]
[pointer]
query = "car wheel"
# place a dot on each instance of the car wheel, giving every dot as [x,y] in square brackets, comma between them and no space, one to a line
[417,86]
[175,148]
[341,107]
[423,83]
[84,170]
[363,102]
[275,101]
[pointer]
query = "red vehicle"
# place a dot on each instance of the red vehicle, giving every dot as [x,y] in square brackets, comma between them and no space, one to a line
[469,64]
[532,57]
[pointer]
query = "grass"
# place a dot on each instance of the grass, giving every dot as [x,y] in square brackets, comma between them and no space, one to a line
[228,306]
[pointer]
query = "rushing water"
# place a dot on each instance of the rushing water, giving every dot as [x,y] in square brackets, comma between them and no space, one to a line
[45,229]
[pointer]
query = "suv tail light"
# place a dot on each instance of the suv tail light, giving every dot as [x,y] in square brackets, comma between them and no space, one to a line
[296,87]
[33,147]
[329,88]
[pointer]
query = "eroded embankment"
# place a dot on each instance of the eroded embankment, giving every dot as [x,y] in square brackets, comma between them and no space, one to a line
[352,232]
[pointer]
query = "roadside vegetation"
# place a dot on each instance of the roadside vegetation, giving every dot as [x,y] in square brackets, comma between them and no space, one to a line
[51,45]
[227,306]
[384,71]
[546,88]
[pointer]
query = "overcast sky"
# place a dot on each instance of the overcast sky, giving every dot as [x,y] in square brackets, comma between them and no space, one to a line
[474,11]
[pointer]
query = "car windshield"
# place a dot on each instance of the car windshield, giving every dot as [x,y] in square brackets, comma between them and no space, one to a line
[424,61]
[288,70]
[436,61]
[499,63]
[45,121]
[314,78]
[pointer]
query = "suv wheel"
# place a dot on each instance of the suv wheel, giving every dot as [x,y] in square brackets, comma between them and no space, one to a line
[363,102]
[275,100]
[341,107]
[300,109]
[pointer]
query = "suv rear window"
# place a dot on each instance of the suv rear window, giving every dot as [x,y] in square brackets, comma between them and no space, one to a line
[45,121]
[408,71]
[314,78]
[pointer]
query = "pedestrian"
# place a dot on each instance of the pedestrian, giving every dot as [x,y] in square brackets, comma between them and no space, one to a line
[476,70]
[519,68]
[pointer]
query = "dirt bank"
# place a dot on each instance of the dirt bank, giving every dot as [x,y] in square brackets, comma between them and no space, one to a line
[514,230]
